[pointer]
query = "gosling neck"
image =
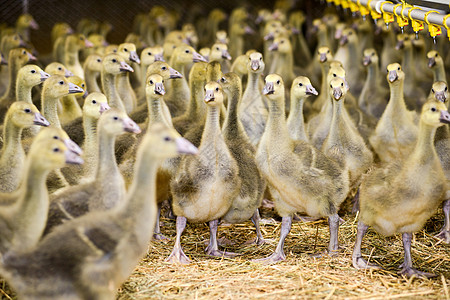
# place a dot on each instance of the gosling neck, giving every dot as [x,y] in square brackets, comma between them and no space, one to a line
[109,87]
[71,54]
[296,121]
[197,108]
[353,55]
[337,120]
[232,126]
[252,82]
[325,67]
[439,73]
[408,62]
[90,145]
[154,110]
[23,92]
[285,65]
[49,109]
[70,106]
[12,146]
[276,122]
[13,68]
[212,126]
[372,81]
[396,99]
[91,80]
[424,152]
[107,165]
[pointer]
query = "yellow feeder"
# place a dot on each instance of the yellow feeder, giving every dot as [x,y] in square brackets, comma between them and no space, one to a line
[401,21]
[447,27]
[363,9]
[433,29]
[416,24]
[387,17]
[373,13]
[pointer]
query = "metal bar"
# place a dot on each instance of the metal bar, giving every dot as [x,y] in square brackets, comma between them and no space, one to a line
[416,14]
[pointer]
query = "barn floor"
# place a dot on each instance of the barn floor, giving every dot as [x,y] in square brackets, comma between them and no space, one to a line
[300,276]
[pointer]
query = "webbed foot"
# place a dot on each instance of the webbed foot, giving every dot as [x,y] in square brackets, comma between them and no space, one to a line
[444,235]
[219,253]
[160,237]
[361,264]
[411,272]
[274,258]
[178,257]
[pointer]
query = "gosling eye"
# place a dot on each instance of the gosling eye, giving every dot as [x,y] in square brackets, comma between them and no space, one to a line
[398,68]
[167,139]
[217,89]
[151,82]
[187,51]
[331,86]
[282,42]
[217,48]
[61,82]
[278,82]
[260,58]
[125,49]
[114,60]
[436,55]
[27,110]
[350,33]
[149,53]
[94,102]
[328,51]
[300,84]
[24,52]
[433,109]
[81,38]
[445,89]
[342,84]
[59,69]
[55,137]
[82,85]
[56,150]
[33,71]
[334,75]
[432,90]
[115,118]
[163,68]
[223,79]
[99,60]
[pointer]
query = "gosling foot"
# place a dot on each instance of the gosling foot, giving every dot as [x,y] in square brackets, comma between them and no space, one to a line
[160,237]
[178,257]
[257,241]
[411,272]
[274,258]
[361,264]
[444,235]
[218,253]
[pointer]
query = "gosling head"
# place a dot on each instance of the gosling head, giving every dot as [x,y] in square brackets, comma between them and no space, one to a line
[155,86]
[162,68]
[58,86]
[56,68]
[231,81]
[274,87]
[23,114]
[221,37]
[78,81]
[281,44]
[78,41]
[440,91]
[337,71]
[302,87]
[21,56]
[395,73]
[348,36]
[27,21]
[370,57]
[115,122]
[164,142]
[115,64]
[95,104]
[255,62]
[219,52]
[435,114]
[324,54]
[93,63]
[337,89]
[403,41]
[128,52]
[32,75]
[185,54]
[434,59]
[213,94]
[54,133]
[151,54]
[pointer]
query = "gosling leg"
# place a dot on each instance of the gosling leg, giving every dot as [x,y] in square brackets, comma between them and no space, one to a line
[406,267]
[255,220]
[279,255]
[213,248]
[358,261]
[157,232]
[444,234]
[177,255]
[333,223]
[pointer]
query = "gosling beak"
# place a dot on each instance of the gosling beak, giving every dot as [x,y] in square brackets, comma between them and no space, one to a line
[88,43]
[226,55]
[73,147]
[310,90]
[124,67]
[323,57]
[44,75]
[185,147]
[209,96]
[366,60]
[273,47]
[268,88]
[68,73]
[431,62]
[73,88]
[174,73]
[343,40]
[3,60]
[445,117]
[338,34]
[399,45]
[196,57]
[295,30]
[248,30]
[159,57]
[104,107]
[130,126]
[134,57]
[34,25]
[440,96]
[72,158]
[105,43]
[86,93]
[393,76]
[337,93]
[159,89]
[255,65]
[40,120]
[31,56]
[258,20]
[268,37]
